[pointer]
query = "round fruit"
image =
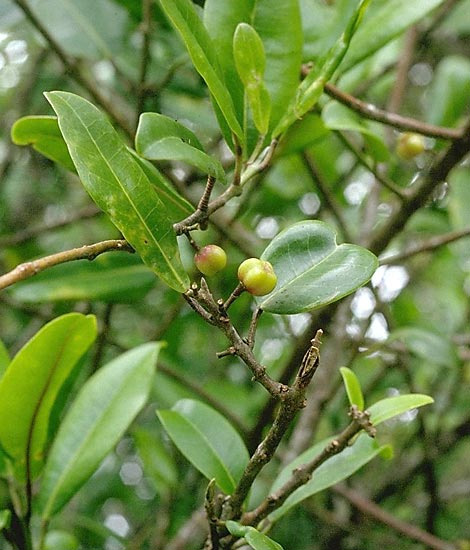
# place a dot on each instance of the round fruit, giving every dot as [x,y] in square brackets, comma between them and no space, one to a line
[210,259]
[257,276]
[410,145]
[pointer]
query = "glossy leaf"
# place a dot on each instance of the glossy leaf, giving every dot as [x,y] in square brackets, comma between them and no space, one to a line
[426,344]
[84,28]
[157,461]
[257,540]
[60,539]
[207,440]
[5,517]
[334,470]
[119,186]
[311,88]
[177,206]
[4,358]
[388,20]
[393,406]
[280,31]
[302,134]
[339,117]
[159,137]
[312,270]
[449,91]
[31,385]
[202,51]
[43,134]
[250,60]
[101,413]
[111,278]
[353,387]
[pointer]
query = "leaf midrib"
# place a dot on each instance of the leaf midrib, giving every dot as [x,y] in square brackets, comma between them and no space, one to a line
[141,174]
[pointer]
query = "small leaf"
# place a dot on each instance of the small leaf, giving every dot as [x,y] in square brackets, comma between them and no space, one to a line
[257,540]
[386,23]
[31,384]
[43,134]
[119,186]
[334,470]
[5,517]
[110,278]
[311,88]
[161,138]
[427,345]
[4,358]
[353,387]
[394,406]
[103,410]
[60,539]
[339,117]
[207,440]
[185,19]
[312,270]
[250,60]
[157,461]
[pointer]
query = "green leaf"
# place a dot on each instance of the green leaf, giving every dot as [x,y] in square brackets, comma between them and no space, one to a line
[84,28]
[312,270]
[302,134]
[393,406]
[43,134]
[449,91]
[31,384]
[388,20]
[207,440]
[339,117]
[103,410]
[311,88]
[334,470]
[177,206]
[4,358]
[257,540]
[427,344]
[5,517]
[60,539]
[353,387]
[280,31]
[111,278]
[159,137]
[202,51]
[158,463]
[250,60]
[119,186]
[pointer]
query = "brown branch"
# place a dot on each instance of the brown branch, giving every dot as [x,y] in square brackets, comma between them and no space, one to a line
[430,244]
[302,474]
[87,252]
[422,190]
[372,112]
[411,531]
[74,71]
[292,400]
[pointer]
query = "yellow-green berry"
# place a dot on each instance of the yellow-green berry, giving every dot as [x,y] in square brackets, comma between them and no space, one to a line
[409,145]
[257,276]
[210,259]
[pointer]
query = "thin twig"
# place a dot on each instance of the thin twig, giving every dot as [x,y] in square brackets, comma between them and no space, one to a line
[87,252]
[145,27]
[74,71]
[426,246]
[411,531]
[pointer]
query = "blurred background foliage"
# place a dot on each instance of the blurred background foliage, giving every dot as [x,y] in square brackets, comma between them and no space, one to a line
[408,330]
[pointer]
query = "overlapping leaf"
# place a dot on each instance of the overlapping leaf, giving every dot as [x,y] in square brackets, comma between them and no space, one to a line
[119,186]
[312,270]
[207,440]
[97,419]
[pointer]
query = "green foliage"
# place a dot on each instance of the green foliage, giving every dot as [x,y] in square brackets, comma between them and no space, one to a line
[312,270]
[353,388]
[256,540]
